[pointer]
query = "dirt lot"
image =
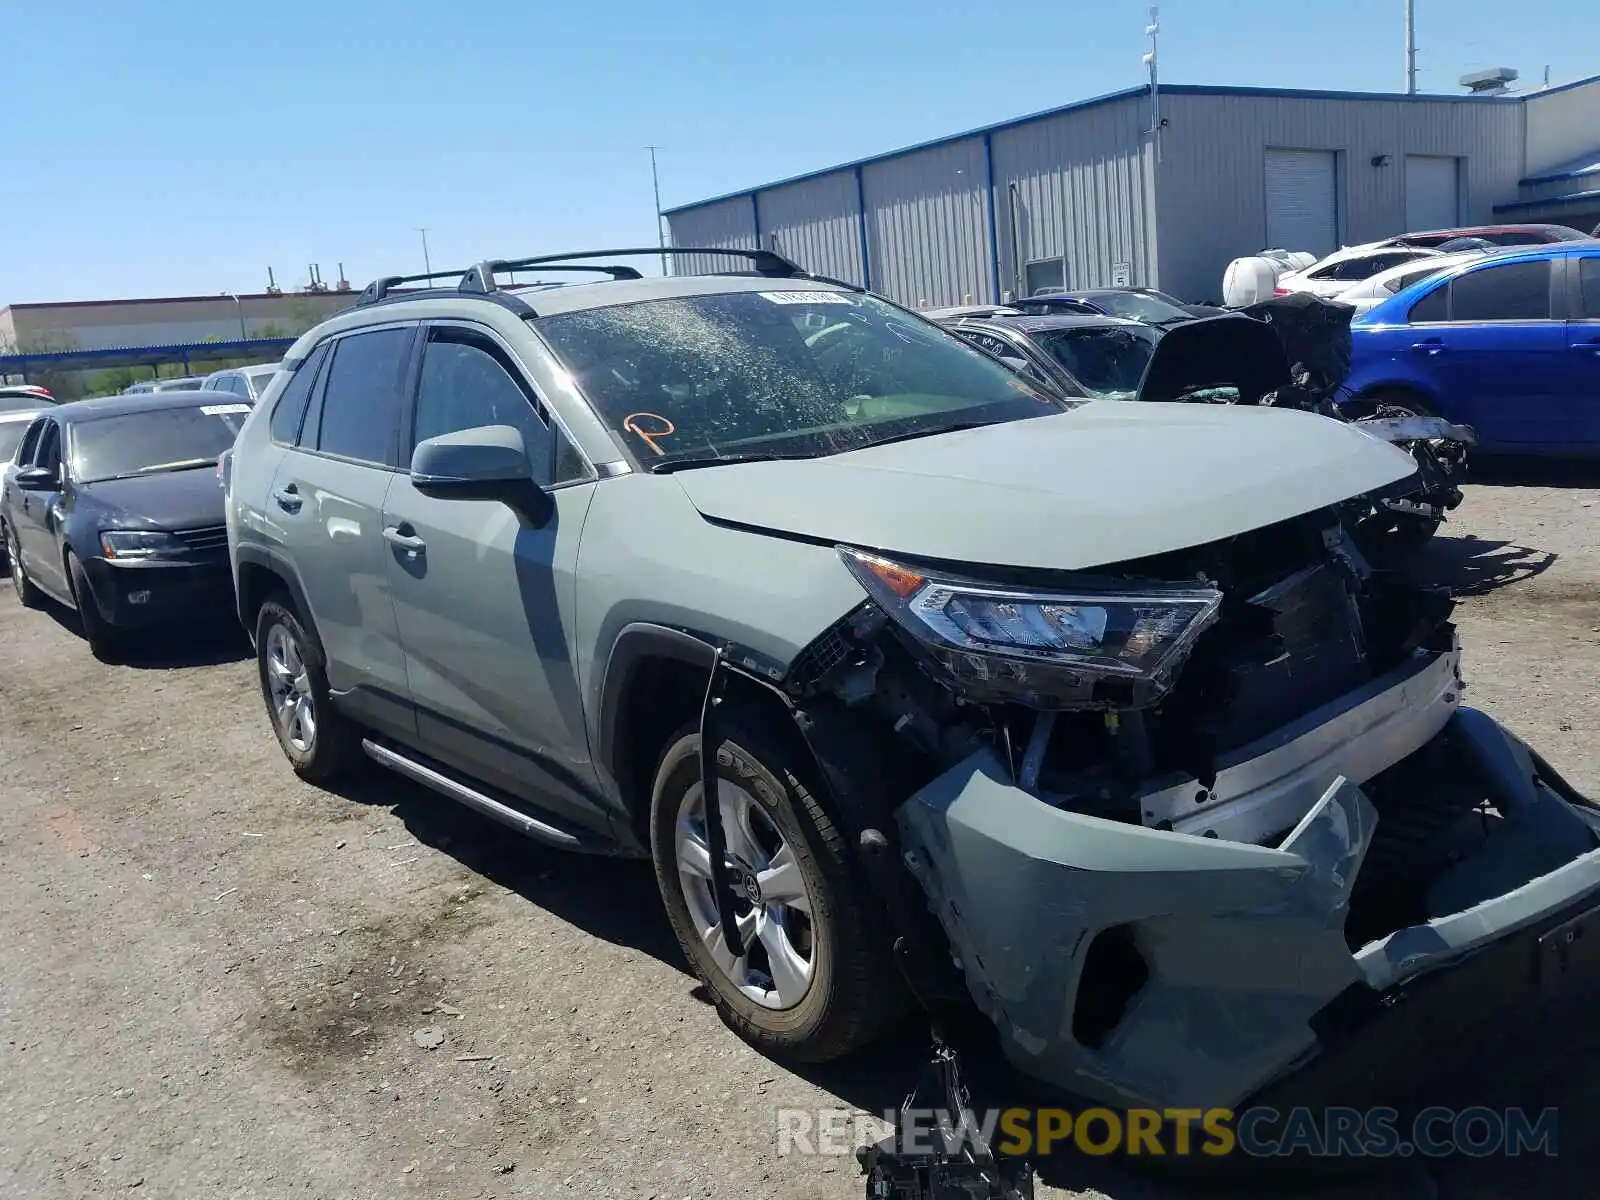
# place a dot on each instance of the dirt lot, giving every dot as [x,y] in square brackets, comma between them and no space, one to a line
[215,980]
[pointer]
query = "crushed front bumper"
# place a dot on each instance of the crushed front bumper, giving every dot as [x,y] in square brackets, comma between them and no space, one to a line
[1143,967]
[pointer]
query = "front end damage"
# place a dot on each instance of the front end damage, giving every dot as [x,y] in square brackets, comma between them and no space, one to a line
[1188,840]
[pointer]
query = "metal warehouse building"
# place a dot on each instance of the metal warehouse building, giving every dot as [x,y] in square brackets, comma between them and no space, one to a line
[1084,196]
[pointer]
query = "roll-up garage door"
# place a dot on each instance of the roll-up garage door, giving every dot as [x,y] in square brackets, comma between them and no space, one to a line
[1302,200]
[1431,192]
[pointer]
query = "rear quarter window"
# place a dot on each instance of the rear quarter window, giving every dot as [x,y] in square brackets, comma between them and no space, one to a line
[290,410]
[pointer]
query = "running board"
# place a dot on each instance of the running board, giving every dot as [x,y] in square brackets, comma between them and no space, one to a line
[456,790]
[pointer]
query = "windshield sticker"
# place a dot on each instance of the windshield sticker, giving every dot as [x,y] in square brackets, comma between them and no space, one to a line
[649,436]
[806,297]
[223,410]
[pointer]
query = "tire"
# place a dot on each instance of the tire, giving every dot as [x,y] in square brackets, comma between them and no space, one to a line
[320,742]
[104,638]
[28,595]
[852,992]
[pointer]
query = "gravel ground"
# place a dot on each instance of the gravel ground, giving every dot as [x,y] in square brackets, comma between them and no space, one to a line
[219,982]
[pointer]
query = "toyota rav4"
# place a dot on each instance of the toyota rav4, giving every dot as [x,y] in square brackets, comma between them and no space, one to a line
[1088,711]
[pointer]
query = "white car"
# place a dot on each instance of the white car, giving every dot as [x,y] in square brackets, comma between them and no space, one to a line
[248,382]
[13,424]
[1369,293]
[1354,264]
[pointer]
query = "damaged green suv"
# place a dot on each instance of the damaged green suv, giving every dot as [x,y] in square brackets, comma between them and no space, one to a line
[1088,711]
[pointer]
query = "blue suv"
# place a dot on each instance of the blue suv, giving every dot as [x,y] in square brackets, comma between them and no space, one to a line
[1509,344]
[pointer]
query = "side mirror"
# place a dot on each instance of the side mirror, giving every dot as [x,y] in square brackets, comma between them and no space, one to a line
[1016,364]
[38,479]
[487,463]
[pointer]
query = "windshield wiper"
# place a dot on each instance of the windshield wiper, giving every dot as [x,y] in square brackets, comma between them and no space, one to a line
[959,427]
[714,460]
[187,464]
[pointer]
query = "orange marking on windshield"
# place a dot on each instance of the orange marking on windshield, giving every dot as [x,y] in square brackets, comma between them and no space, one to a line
[649,436]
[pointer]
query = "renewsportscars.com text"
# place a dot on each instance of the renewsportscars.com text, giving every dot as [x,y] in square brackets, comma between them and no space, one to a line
[1477,1132]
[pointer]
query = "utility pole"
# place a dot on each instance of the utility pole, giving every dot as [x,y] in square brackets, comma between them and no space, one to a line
[655,183]
[426,265]
[1411,47]
[1152,31]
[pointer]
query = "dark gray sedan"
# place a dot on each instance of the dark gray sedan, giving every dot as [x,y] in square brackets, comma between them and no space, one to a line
[1102,357]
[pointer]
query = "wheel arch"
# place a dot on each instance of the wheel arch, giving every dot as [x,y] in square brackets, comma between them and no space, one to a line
[654,683]
[257,574]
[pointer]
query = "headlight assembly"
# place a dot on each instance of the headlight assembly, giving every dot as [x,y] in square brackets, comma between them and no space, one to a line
[138,543]
[1070,649]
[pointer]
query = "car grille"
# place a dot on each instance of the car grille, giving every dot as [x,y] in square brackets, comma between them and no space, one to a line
[206,538]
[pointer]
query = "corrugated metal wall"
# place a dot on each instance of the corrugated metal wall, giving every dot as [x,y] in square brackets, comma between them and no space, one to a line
[816,223]
[729,223]
[1562,124]
[1081,194]
[926,232]
[1211,200]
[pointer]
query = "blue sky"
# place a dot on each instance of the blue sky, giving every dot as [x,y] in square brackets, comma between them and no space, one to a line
[181,146]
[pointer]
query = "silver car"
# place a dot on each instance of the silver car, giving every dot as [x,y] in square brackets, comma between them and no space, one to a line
[1087,711]
[247,382]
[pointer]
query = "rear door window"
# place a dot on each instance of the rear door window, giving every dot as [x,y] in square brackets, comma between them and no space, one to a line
[362,400]
[1518,291]
[290,409]
[1435,306]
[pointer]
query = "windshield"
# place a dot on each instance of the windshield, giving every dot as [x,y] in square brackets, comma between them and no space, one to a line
[149,443]
[10,434]
[792,373]
[1109,360]
[10,404]
[180,385]
[1137,306]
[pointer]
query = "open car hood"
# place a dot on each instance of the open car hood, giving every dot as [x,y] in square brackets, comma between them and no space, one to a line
[1106,482]
[1253,350]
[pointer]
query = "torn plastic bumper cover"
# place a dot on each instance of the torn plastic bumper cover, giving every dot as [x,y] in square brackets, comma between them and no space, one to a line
[1141,967]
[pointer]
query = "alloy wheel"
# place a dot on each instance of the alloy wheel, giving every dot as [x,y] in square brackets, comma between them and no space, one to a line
[289,688]
[772,903]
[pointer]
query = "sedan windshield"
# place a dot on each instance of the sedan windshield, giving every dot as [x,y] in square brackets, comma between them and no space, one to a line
[778,374]
[149,443]
[24,403]
[1109,360]
[10,434]
[1137,306]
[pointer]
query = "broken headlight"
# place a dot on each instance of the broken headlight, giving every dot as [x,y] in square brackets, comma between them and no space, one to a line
[1070,649]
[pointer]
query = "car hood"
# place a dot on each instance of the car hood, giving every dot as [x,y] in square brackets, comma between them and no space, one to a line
[174,500]
[1106,482]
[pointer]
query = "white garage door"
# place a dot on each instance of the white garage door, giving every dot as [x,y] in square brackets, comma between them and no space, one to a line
[1302,201]
[1431,192]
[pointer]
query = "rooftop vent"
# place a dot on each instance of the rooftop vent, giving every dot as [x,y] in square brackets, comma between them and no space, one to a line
[1493,82]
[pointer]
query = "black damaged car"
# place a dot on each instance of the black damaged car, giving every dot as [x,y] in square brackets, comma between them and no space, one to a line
[113,506]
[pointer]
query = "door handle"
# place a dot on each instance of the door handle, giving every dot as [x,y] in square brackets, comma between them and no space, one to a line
[1429,346]
[404,537]
[288,498]
[1592,346]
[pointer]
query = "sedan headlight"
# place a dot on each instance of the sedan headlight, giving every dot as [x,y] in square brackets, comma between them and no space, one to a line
[139,543]
[1084,648]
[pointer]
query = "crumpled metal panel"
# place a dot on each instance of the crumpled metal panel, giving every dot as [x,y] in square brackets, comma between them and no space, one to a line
[1244,943]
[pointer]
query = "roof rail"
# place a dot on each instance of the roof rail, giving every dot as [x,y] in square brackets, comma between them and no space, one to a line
[379,288]
[480,278]
[767,262]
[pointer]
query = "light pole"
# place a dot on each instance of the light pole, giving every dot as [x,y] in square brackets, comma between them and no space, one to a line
[655,183]
[426,265]
[238,307]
